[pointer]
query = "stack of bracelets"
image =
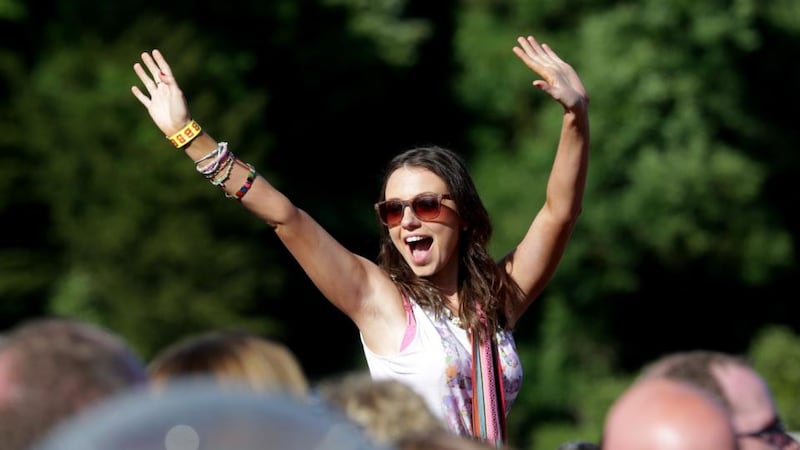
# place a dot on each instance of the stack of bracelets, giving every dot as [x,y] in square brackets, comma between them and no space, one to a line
[219,168]
[221,161]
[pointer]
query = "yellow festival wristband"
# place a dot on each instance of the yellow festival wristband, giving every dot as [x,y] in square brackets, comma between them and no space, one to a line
[186,134]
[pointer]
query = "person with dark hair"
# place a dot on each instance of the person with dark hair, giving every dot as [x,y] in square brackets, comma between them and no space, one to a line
[435,311]
[51,369]
[736,384]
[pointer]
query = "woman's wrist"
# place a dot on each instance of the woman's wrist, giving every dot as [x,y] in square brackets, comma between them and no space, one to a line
[581,106]
[200,146]
[184,136]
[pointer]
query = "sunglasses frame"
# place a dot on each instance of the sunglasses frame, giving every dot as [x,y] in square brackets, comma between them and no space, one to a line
[413,204]
[774,433]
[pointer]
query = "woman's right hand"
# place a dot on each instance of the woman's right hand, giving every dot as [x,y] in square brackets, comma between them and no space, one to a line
[164,99]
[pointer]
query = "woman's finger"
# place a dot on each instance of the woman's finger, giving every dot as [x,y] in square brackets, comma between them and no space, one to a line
[527,47]
[146,80]
[164,68]
[151,66]
[143,99]
[552,54]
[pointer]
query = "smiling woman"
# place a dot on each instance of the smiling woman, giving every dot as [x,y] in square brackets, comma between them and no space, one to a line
[433,263]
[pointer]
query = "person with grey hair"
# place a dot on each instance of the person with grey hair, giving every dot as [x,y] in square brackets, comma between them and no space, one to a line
[736,384]
[52,368]
[664,414]
[387,410]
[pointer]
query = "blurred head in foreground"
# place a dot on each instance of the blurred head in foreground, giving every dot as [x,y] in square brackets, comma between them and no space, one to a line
[661,414]
[231,356]
[204,415]
[51,369]
[387,409]
[736,384]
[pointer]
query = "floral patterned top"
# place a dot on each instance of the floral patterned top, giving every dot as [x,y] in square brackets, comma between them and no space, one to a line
[436,361]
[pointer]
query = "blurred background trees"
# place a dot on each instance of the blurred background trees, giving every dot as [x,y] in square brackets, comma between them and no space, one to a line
[689,232]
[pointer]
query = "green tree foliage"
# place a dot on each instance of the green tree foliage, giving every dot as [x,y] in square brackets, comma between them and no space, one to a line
[28,256]
[775,352]
[148,250]
[677,221]
[11,9]
[397,40]
[122,231]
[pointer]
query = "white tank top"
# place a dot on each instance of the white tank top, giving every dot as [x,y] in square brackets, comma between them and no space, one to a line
[436,362]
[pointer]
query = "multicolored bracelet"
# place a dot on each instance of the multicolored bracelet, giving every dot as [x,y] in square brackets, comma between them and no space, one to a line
[186,134]
[248,183]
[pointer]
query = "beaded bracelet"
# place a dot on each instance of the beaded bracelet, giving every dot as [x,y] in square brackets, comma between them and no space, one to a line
[221,176]
[186,134]
[248,183]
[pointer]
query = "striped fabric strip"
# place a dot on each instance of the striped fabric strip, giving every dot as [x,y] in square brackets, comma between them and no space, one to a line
[488,402]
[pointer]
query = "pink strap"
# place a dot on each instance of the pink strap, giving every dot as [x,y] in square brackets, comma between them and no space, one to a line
[411,324]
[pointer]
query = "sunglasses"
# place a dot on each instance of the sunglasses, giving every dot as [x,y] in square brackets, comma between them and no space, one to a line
[425,206]
[774,434]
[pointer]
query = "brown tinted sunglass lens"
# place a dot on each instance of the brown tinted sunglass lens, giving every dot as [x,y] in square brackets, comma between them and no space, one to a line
[426,207]
[391,212]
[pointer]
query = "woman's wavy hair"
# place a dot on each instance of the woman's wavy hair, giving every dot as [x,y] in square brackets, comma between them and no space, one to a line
[481,281]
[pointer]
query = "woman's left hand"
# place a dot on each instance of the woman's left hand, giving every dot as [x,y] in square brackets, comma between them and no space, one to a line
[559,79]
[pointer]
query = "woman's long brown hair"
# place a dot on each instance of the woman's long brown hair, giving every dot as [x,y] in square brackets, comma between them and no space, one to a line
[481,281]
